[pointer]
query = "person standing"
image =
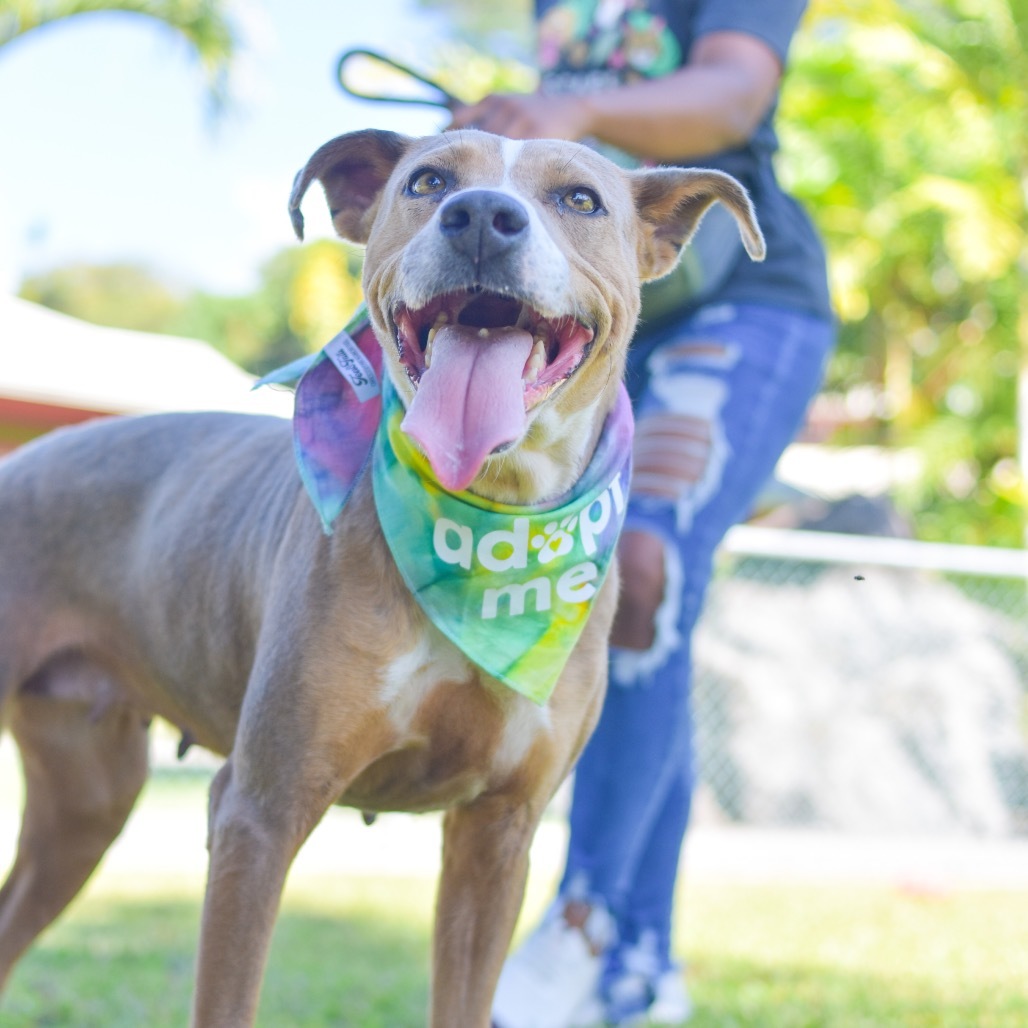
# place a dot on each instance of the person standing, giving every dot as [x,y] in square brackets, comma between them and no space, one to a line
[726,359]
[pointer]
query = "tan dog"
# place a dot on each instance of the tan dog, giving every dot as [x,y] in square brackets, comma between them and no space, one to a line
[171,565]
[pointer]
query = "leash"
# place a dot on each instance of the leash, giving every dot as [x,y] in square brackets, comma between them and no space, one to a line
[369,75]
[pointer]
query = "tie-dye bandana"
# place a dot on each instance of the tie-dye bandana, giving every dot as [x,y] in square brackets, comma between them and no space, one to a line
[511,586]
[337,410]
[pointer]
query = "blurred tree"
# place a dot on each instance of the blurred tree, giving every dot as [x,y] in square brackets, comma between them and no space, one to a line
[905,130]
[120,295]
[490,28]
[469,74]
[204,24]
[306,294]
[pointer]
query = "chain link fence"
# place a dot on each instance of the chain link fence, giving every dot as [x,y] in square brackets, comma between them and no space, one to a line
[872,685]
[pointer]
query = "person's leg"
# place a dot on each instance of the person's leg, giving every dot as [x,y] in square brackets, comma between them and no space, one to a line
[648,908]
[623,775]
[723,399]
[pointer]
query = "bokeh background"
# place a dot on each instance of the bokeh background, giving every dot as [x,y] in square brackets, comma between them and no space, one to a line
[860,854]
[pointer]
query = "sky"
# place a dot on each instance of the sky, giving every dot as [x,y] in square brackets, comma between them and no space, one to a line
[108,151]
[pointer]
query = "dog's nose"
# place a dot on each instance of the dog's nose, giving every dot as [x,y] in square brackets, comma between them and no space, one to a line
[483,224]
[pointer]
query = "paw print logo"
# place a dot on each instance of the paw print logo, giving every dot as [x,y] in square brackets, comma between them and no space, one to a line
[555,540]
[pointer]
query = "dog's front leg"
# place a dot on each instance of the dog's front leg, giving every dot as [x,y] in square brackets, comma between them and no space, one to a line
[485,865]
[252,844]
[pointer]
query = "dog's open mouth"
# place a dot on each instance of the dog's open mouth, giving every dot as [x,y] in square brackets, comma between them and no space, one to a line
[479,362]
[555,346]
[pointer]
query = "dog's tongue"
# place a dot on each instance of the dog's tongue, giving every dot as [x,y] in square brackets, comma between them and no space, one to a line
[470,400]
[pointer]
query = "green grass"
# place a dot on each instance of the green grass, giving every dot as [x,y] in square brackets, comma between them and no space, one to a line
[354,952]
[856,957]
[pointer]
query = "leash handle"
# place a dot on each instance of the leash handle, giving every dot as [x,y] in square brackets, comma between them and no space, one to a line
[358,69]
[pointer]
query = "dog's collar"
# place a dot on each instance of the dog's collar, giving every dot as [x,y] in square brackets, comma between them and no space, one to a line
[512,587]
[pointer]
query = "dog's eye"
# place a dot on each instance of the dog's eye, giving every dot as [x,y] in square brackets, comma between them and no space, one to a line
[426,182]
[583,200]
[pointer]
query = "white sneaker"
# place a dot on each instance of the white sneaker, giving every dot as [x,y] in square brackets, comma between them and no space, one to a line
[671,1002]
[671,1006]
[592,1013]
[640,994]
[554,971]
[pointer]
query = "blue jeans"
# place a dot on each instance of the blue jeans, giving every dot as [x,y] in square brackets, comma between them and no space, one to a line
[726,390]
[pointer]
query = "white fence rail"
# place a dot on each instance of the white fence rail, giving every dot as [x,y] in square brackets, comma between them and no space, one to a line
[989,562]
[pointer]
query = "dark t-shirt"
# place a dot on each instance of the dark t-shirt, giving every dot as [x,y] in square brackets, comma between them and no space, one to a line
[591,45]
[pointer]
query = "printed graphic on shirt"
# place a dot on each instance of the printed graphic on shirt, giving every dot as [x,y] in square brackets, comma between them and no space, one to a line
[590,44]
[586,46]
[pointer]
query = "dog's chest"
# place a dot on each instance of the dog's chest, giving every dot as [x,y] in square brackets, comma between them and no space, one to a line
[409,680]
[457,732]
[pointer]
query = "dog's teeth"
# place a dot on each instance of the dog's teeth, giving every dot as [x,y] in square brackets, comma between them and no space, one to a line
[428,346]
[536,361]
[483,333]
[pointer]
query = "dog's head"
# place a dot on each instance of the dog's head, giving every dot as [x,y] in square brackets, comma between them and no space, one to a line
[503,280]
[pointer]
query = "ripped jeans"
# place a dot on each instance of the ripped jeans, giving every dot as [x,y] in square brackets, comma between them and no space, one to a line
[717,398]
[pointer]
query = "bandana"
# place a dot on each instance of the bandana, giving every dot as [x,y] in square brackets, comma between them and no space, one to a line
[337,410]
[511,586]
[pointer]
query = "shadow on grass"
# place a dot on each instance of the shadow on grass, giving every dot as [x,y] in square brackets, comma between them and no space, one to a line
[130,964]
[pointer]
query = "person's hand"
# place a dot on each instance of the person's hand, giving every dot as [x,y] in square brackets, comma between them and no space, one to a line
[526,116]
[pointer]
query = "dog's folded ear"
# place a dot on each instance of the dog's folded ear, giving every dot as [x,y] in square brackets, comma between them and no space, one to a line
[353,169]
[671,203]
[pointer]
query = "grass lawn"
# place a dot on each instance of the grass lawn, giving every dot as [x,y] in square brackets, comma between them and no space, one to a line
[354,951]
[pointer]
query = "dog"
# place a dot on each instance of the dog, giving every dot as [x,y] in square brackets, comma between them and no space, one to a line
[172,566]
